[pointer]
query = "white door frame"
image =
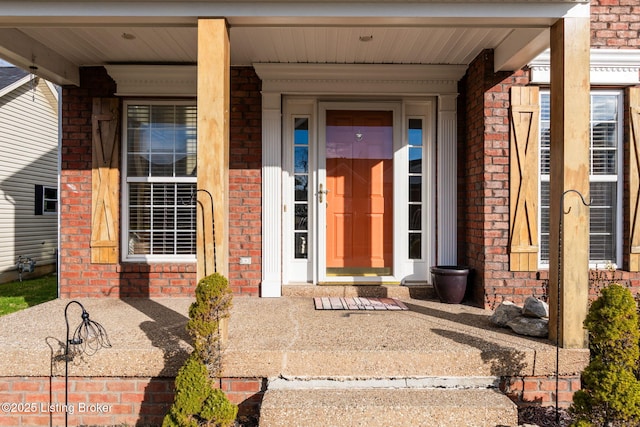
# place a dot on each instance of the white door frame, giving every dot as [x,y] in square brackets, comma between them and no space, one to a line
[400,81]
[395,107]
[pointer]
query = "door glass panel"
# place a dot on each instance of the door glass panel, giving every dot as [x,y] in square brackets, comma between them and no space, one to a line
[301,191]
[359,198]
[415,137]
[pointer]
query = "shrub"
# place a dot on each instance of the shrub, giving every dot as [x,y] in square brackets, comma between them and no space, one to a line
[213,302]
[610,394]
[197,402]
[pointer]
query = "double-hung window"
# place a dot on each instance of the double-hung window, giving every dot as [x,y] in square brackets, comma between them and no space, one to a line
[605,177]
[159,206]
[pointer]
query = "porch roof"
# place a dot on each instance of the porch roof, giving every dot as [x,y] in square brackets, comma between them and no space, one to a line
[55,38]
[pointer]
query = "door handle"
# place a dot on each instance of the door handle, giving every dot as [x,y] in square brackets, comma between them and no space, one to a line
[321,193]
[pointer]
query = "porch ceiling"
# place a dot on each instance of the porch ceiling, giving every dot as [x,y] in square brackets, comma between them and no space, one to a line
[59,37]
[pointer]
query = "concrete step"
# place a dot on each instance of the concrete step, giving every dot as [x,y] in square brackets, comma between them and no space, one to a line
[387,407]
[417,291]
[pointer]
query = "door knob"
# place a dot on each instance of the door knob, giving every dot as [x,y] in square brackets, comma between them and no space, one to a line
[321,193]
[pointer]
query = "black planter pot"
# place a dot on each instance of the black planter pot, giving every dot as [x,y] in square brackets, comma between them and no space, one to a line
[450,282]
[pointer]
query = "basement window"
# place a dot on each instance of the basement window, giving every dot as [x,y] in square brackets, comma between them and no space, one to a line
[46,200]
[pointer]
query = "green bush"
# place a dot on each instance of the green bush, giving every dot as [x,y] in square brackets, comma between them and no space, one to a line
[197,402]
[610,394]
[213,302]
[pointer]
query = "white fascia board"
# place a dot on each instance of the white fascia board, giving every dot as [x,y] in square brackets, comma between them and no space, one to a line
[15,85]
[608,67]
[257,12]
[54,90]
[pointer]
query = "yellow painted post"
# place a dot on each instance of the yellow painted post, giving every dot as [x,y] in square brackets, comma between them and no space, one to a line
[570,100]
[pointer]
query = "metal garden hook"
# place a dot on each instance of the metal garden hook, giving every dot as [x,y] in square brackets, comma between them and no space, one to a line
[560,231]
[213,228]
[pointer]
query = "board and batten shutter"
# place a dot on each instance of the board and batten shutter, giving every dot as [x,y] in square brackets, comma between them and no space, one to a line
[524,178]
[634,178]
[105,181]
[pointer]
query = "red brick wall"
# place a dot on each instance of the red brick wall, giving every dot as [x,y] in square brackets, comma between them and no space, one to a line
[79,278]
[541,390]
[39,401]
[615,24]
[483,197]
[245,181]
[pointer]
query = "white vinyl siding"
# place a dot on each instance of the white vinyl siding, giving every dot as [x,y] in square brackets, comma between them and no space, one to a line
[28,143]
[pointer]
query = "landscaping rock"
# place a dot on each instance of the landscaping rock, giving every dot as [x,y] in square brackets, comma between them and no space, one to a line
[505,312]
[534,307]
[533,327]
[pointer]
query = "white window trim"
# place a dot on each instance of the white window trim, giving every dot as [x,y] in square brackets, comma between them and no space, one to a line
[44,199]
[544,264]
[124,240]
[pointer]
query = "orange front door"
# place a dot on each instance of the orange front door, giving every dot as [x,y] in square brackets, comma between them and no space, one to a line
[359,208]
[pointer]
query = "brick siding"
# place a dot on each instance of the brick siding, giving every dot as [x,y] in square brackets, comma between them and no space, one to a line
[615,24]
[107,401]
[483,195]
[79,278]
[245,181]
[541,390]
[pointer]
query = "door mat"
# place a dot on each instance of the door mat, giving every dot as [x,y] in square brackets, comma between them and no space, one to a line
[358,303]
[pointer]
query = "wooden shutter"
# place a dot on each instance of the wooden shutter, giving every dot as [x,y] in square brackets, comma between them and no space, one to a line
[634,178]
[105,181]
[524,173]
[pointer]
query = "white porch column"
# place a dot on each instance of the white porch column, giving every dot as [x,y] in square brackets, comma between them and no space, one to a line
[271,196]
[447,180]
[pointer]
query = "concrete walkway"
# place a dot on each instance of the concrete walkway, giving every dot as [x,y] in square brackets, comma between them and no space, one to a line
[389,365]
[284,337]
[288,337]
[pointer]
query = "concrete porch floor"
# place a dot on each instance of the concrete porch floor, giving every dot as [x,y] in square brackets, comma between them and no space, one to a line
[283,337]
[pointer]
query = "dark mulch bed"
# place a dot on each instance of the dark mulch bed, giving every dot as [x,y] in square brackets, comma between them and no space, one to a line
[544,416]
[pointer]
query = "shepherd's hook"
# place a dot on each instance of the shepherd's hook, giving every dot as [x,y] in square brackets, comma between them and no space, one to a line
[562,213]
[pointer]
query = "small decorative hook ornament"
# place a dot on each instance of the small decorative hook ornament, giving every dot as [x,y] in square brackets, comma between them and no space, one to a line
[88,338]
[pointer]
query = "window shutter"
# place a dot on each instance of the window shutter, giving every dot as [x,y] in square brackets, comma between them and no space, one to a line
[105,181]
[524,177]
[634,178]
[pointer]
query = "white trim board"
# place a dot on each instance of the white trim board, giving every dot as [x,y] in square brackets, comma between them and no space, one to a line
[379,79]
[608,67]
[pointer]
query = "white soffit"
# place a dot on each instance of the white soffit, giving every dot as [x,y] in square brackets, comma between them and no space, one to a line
[150,80]
[608,67]
[360,78]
